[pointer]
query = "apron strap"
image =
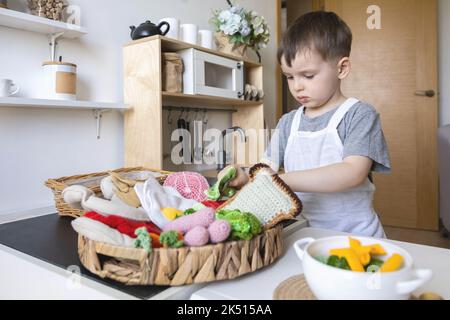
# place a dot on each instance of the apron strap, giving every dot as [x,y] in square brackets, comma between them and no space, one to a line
[296,122]
[335,120]
[340,113]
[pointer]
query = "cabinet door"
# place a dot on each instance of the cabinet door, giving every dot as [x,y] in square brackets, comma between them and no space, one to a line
[394,62]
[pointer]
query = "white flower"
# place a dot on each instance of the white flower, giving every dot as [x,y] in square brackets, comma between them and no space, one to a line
[242,26]
[257,21]
[236,9]
[245,31]
[224,15]
[232,25]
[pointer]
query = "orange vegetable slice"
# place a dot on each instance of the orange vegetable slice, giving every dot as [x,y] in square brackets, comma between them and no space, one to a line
[394,263]
[351,257]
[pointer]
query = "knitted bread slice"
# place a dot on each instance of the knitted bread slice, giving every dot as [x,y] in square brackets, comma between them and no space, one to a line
[267,197]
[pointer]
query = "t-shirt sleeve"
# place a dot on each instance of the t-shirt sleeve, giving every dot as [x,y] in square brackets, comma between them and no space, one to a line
[274,154]
[364,137]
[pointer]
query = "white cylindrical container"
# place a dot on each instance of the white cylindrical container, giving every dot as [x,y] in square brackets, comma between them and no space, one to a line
[60,80]
[174,27]
[205,38]
[189,33]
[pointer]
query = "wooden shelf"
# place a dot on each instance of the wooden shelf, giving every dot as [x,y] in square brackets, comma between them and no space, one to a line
[169,97]
[24,21]
[59,104]
[171,45]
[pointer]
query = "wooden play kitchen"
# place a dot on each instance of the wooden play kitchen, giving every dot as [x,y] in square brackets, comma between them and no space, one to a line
[143,91]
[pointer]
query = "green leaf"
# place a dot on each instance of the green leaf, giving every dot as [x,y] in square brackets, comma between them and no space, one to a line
[344,264]
[322,259]
[189,211]
[374,265]
[341,263]
[334,261]
[377,262]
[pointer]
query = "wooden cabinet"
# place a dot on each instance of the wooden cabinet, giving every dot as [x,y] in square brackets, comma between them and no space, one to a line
[143,93]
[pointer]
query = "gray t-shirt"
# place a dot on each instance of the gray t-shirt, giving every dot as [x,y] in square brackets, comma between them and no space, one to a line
[360,132]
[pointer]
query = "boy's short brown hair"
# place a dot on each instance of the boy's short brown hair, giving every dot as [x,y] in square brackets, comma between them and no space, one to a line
[322,31]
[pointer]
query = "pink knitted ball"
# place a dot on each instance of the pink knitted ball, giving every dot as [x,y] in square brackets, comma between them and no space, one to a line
[191,185]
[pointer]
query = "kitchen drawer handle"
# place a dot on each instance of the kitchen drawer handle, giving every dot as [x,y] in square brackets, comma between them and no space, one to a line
[426,93]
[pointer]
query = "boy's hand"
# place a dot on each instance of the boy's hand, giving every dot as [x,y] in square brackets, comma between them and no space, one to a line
[240,180]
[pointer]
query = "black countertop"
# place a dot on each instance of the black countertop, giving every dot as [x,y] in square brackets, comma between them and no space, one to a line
[51,238]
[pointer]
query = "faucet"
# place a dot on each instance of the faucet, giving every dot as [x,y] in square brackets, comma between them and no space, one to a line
[222,152]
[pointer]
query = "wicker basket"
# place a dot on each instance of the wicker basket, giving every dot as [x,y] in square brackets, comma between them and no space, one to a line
[91,181]
[187,265]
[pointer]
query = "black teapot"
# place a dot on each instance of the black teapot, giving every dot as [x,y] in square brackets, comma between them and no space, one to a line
[148,29]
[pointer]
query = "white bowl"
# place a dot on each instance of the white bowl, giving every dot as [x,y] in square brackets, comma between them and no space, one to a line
[330,283]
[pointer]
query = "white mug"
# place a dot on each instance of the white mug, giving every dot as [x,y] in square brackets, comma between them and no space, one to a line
[6,88]
[189,33]
[205,38]
[174,31]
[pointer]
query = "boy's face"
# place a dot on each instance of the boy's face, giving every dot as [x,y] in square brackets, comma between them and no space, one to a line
[312,81]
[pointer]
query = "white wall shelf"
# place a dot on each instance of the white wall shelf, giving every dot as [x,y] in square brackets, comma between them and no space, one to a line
[24,21]
[60,104]
[98,107]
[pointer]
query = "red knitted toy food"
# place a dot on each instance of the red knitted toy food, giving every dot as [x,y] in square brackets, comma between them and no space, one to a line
[191,185]
[123,225]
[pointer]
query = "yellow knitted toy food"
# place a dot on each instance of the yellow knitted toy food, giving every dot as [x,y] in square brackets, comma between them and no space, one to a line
[171,213]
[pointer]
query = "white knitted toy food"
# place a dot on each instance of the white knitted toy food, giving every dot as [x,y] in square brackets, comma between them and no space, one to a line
[267,197]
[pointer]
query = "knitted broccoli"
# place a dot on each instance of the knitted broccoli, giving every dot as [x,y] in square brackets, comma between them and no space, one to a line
[171,239]
[243,225]
[143,239]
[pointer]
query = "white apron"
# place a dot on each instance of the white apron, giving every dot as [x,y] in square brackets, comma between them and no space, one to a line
[350,211]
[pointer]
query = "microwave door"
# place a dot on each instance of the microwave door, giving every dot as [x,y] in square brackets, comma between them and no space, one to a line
[219,77]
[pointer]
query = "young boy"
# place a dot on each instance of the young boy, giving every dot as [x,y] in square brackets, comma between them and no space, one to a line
[331,144]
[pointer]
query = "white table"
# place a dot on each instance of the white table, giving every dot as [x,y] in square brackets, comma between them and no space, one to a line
[25,277]
[261,284]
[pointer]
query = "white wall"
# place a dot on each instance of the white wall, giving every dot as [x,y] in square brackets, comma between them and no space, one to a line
[444,61]
[39,144]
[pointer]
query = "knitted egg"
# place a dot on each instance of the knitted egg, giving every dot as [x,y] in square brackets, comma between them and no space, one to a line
[191,185]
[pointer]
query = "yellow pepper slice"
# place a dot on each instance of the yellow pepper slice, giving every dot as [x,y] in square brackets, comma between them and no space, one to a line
[363,252]
[392,264]
[377,249]
[351,257]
